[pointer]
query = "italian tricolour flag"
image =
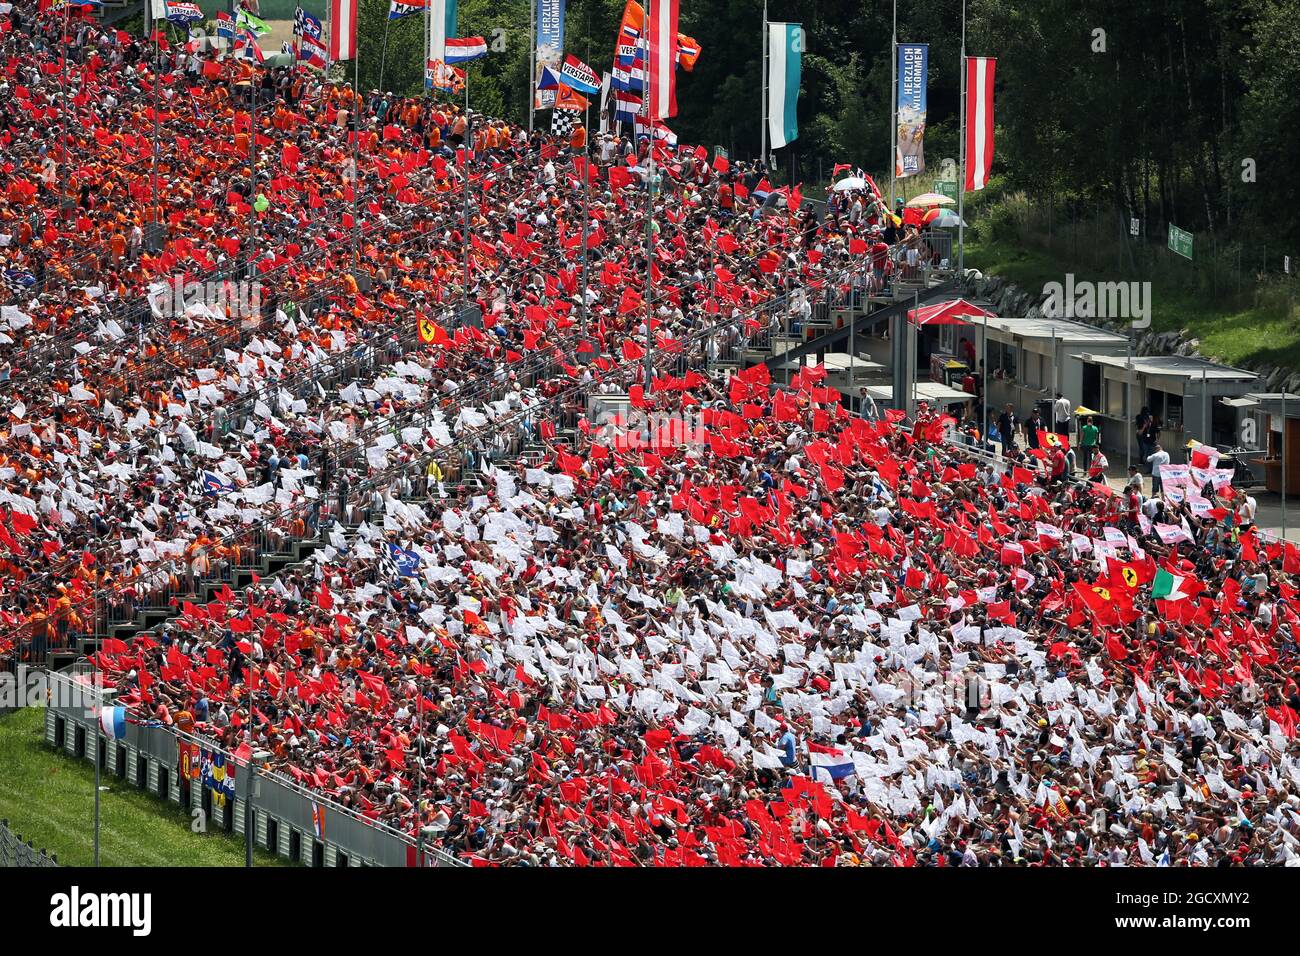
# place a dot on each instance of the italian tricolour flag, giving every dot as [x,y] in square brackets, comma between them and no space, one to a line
[1172,587]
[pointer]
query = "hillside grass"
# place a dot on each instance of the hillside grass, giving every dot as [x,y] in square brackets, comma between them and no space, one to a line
[1253,318]
[48,797]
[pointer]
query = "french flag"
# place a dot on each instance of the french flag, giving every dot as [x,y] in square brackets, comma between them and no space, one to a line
[464,49]
[113,722]
[831,763]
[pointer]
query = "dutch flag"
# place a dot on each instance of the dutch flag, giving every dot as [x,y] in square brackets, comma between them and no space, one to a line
[832,764]
[464,49]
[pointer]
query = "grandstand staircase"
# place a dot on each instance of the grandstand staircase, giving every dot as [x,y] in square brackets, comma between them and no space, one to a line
[820,340]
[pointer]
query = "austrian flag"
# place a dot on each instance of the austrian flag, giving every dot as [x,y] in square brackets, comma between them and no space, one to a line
[662,35]
[343,30]
[979,120]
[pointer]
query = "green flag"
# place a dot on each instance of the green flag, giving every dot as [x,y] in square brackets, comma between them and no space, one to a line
[245,19]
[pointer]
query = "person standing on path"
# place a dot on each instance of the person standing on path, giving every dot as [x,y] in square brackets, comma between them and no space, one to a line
[1089,439]
[1061,412]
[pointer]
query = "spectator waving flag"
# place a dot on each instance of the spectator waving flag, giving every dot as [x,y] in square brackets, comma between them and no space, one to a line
[626,106]
[663,135]
[440,27]
[562,121]
[577,75]
[214,484]
[246,46]
[688,51]
[225,25]
[630,31]
[661,61]
[408,562]
[312,53]
[305,25]
[831,765]
[629,79]
[183,12]
[1173,587]
[465,49]
[785,41]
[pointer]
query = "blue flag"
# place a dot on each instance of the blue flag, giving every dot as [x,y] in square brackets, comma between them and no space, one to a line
[214,484]
[408,562]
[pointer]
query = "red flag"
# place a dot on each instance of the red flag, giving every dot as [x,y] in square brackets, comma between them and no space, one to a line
[343,29]
[661,32]
[979,120]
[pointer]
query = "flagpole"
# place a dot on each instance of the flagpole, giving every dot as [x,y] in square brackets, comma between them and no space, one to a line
[532,60]
[65,169]
[650,194]
[101,708]
[254,92]
[383,55]
[468,147]
[356,155]
[762,149]
[893,109]
[153,208]
[586,231]
[961,188]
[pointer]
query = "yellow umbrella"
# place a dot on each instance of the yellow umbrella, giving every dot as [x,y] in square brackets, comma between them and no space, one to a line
[926,200]
[1085,411]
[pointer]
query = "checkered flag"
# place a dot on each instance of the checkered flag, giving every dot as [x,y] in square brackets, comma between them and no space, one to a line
[562,122]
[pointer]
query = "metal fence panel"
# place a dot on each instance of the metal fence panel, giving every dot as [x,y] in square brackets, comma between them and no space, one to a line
[275,797]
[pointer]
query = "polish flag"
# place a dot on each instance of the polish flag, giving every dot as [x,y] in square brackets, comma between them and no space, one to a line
[979,121]
[661,21]
[343,29]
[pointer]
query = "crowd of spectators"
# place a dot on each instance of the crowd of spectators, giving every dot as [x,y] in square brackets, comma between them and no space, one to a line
[735,625]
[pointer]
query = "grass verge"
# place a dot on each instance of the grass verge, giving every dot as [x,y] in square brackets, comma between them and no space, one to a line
[49,798]
[1260,323]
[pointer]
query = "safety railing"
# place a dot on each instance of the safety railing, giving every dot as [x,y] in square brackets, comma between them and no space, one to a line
[14,852]
[289,820]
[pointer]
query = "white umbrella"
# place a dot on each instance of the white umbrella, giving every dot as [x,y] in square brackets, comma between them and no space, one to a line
[930,199]
[850,182]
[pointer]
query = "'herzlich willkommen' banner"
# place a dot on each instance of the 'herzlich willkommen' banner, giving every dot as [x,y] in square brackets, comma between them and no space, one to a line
[909,158]
[550,48]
